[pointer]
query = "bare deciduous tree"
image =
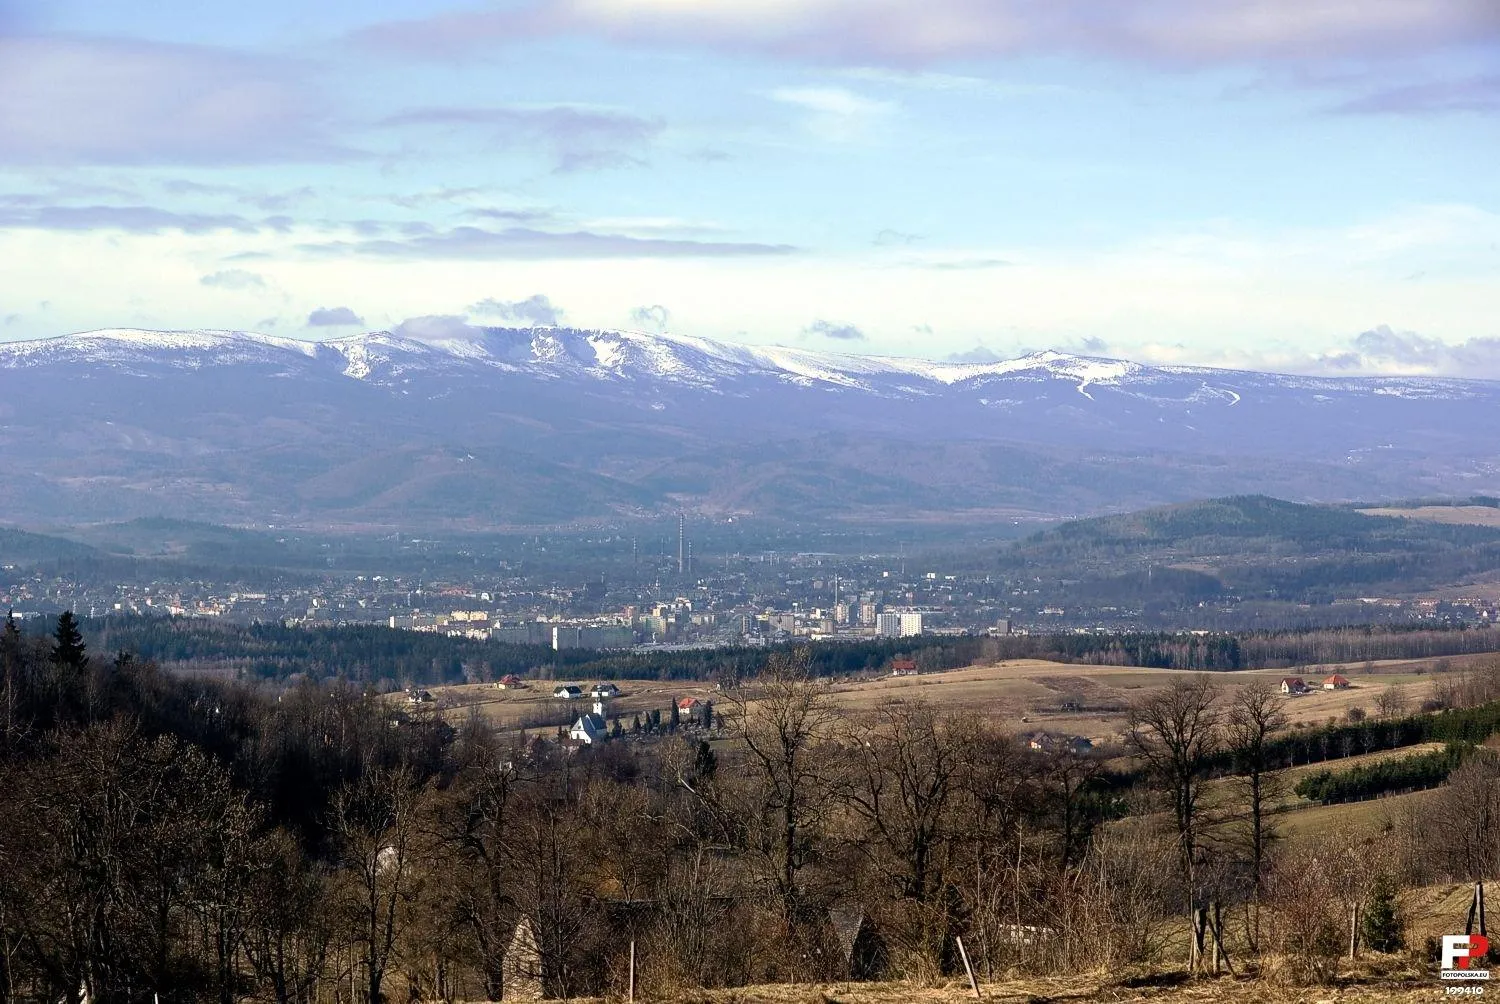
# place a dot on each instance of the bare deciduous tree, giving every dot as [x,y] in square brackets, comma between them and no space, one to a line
[782,724]
[1255,713]
[1175,730]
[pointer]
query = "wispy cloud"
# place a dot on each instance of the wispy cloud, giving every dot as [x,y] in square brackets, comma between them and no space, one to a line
[131,219]
[84,100]
[576,138]
[522,243]
[1469,94]
[835,113]
[333,317]
[536,310]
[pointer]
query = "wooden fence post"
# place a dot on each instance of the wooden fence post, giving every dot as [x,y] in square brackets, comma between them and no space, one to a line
[631,996]
[973,983]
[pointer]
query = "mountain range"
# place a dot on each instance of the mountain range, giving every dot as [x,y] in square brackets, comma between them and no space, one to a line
[555,426]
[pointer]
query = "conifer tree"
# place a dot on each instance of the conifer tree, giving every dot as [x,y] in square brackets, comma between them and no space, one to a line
[1382,921]
[69,650]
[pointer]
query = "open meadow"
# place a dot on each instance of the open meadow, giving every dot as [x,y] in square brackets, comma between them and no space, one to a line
[1023,695]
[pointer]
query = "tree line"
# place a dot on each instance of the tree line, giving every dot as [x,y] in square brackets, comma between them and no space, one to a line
[375,654]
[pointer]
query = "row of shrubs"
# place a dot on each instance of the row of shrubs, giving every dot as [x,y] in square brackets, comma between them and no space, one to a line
[1408,773]
[1470,726]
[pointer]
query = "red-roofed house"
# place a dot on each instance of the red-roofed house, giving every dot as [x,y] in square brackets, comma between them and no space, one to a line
[1336,682]
[903,667]
[687,704]
[1293,685]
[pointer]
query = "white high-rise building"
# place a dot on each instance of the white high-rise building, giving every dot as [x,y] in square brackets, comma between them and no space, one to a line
[898,624]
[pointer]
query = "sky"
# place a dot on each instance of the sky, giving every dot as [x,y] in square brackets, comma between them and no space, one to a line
[1300,185]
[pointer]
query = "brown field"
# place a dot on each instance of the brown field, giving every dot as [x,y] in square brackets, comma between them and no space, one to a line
[1388,982]
[1469,515]
[1023,695]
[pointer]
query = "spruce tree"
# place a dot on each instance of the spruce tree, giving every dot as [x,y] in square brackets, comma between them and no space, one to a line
[1382,923]
[69,650]
[676,717]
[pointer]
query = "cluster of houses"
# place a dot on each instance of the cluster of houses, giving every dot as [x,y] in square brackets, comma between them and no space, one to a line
[1294,685]
[573,692]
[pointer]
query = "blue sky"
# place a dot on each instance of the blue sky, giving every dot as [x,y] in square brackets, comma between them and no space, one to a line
[1296,184]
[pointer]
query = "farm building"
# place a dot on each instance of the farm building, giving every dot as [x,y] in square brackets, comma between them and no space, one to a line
[568,692]
[1336,682]
[602,690]
[509,681]
[1293,685]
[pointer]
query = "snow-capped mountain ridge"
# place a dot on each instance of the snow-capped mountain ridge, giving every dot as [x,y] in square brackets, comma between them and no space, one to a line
[383,356]
[538,425]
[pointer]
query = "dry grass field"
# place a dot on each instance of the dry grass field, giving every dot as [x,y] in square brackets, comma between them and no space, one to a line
[1467,515]
[1366,984]
[1023,695]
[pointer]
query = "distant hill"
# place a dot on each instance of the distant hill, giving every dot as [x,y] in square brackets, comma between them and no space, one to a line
[18,547]
[1254,546]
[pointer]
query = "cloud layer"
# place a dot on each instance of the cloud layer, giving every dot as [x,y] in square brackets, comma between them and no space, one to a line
[84,100]
[905,32]
[526,243]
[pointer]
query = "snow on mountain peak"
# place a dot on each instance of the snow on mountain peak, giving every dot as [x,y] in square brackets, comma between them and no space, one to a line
[381,357]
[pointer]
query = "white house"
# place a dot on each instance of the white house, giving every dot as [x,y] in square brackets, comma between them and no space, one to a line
[604,691]
[590,728]
[567,693]
[1293,685]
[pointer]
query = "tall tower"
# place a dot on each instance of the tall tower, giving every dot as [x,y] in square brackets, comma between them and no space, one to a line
[681,542]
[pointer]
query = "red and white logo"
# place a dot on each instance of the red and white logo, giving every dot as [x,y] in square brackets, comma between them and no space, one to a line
[1459,953]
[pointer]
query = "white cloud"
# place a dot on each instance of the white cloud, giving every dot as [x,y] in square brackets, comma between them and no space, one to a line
[535,310]
[836,114]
